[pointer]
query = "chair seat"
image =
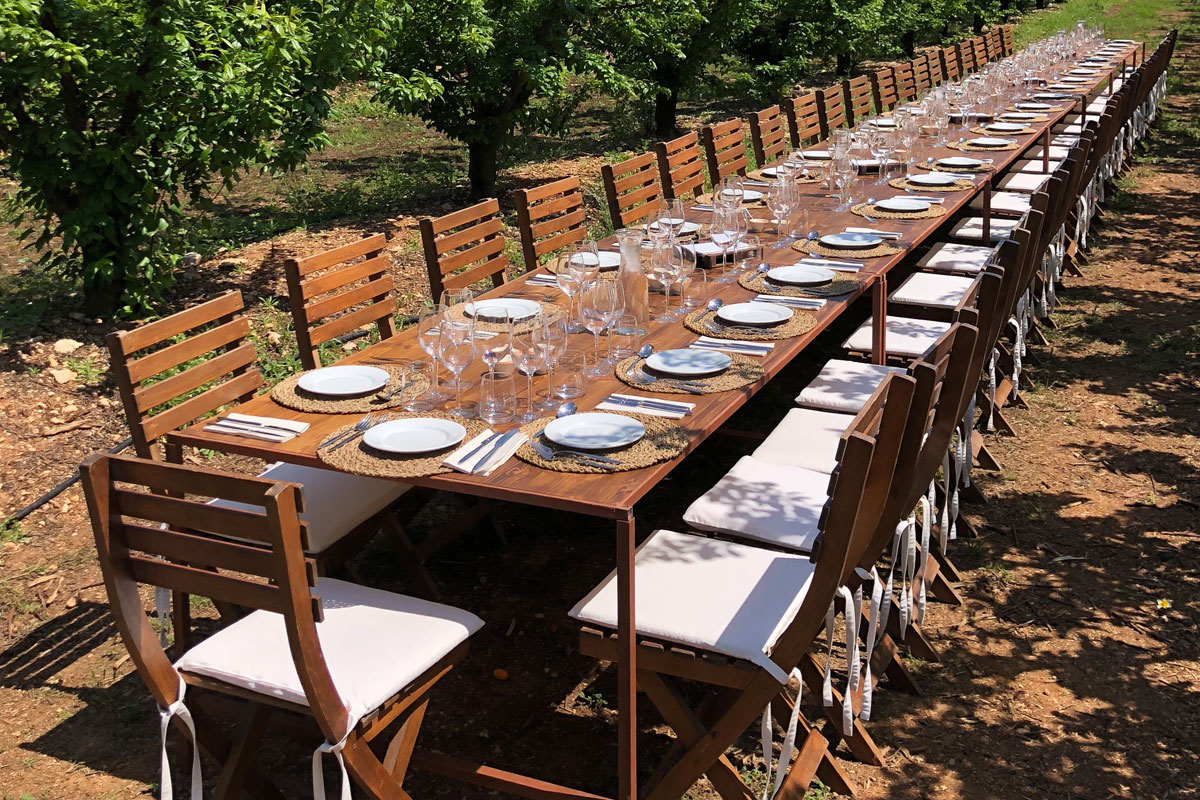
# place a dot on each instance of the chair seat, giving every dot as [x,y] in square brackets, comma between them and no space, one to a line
[904,336]
[932,290]
[1034,165]
[805,437]
[1028,182]
[375,644]
[335,503]
[725,597]
[844,386]
[956,257]
[1009,203]
[971,229]
[1057,152]
[764,501]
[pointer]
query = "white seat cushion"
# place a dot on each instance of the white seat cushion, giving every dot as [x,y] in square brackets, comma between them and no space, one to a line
[764,501]
[334,502]
[723,597]
[1064,140]
[1023,182]
[375,643]
[933,290]
[1034,165]
[844,386]
[805,437]
[956,257]
[1009,203]
[1057,151]
[971,229]
[904,336]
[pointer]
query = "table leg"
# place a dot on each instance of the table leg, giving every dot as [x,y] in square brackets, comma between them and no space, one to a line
[987,213]
[879,320]
[1046,152]
[627,664]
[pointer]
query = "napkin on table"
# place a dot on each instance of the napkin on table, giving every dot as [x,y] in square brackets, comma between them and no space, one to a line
[747,348]
[837,265]
[271,429]
[473,466]
[797,302]
[884,234]
[681,409]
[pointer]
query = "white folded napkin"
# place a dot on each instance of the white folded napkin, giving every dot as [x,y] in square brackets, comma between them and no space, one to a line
[924,199]
[458,462]
[884,234]
[816,154]
[710,249]
[270,429]
[547,280]
[798,302]
[834,264]
[671,409]
[733,346]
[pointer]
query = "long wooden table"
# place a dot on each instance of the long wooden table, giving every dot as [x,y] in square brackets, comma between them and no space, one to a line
[614,496]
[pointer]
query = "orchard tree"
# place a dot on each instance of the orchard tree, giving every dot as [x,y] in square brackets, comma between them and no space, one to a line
[115,114]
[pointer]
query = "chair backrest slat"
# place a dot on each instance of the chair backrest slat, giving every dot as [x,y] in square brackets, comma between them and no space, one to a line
[681,167]
[804,119]
[724,150]
[549,217]
[858,99]
[167,378]
[769,135]
[631,188]
[464,247]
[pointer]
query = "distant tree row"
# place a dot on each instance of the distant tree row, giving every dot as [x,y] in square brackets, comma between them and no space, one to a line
[116,115]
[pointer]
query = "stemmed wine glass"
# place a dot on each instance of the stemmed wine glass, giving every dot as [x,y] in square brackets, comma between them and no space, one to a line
[731,193]
[499,345]
[529,356]
[457,353]
[569,278]
[664,272]
[600,301]
[727,231]
[668,217]
[554,346]
[842,173]
[882,143]
[429,336]
[453,297]
[781,197]
[683,265]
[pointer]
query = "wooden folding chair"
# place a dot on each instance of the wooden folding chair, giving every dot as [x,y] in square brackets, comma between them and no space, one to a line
[549,217]
[966,57]
[152,528]
[857,93]
[804,119]
[769,135]
[715,627]
[681,167]
[464,247]
[631,188]
[832,109]
[979,46]
[937,75]
[952,68]
[883,83]
[922,80]
[724,150]
[334,293]
[994,40]
[906,88]
[1006,34]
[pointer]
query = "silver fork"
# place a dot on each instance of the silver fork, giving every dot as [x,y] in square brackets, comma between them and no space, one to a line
[642,379]
[599,462]
[359,426]
[357,433]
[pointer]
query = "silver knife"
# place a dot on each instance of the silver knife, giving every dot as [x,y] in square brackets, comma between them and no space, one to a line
[496,435]
[658,405]
[504,439]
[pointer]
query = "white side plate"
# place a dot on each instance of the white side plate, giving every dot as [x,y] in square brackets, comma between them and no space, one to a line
[345,380]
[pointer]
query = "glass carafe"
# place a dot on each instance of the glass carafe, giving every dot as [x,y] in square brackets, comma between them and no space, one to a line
[632,281]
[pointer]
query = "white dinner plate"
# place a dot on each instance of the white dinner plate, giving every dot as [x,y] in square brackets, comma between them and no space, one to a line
[688,227]
[689,362]
[933,179]
[851,240]
[496,309]
[960,162]
[594,431]
[906,205]
[989,141]
[1081,71]
[608,259]
[817,154]
[345,380]
[801,275]
[1073,79]
[883,122]
[1005,127]
[418,435]
[755,314]
[1018,116]
[751,195]
[1053,96]
[1035,106]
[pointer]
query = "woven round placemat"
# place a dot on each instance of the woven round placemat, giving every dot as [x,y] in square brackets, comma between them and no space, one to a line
[663,441]
[866,210]
[962,184]
[289,395]
[550,313]
[1038,118]
[818,249]
[810,177]
[986,132]
[707,198]
[801,323]
[967,147]
[935,167]
[744,371]
[757,282]
[359,459]
[552,267]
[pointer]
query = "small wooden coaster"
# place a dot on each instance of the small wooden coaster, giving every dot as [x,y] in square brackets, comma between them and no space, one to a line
[818,249]
[701,322]
[359,459]
[663,441]
[744,371]
[289,395]
[960,185]
[757,282]
[866,210]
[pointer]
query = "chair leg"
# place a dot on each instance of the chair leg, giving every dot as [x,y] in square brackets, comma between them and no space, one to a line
[913,638]
[861,744]
[936,584]
[216,745]
[400,749]
[369,773]
[814,759]
[983,457]
[410,560]
[229,783]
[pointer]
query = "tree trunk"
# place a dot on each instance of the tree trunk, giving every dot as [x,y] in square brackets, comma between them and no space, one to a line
[977,26]
[101,294]
[909,42]
[843,64]
[481,166]
[666,111]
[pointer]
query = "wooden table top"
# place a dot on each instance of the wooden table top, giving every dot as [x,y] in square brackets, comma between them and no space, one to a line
[614,495]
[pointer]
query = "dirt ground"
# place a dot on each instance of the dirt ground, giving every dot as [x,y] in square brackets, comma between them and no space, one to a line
[1071,671]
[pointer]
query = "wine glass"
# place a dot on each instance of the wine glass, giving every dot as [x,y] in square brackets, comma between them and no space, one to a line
[669,217]
[842,173]
[452,297]
[735,225]
[882,142]
[569,280]
[498,346]
[664,272]
[529,356]
[457,352]
[585,260]
[780,198]
[429,336]
[732,192]
[554,345]
[599,301]
[683,267]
